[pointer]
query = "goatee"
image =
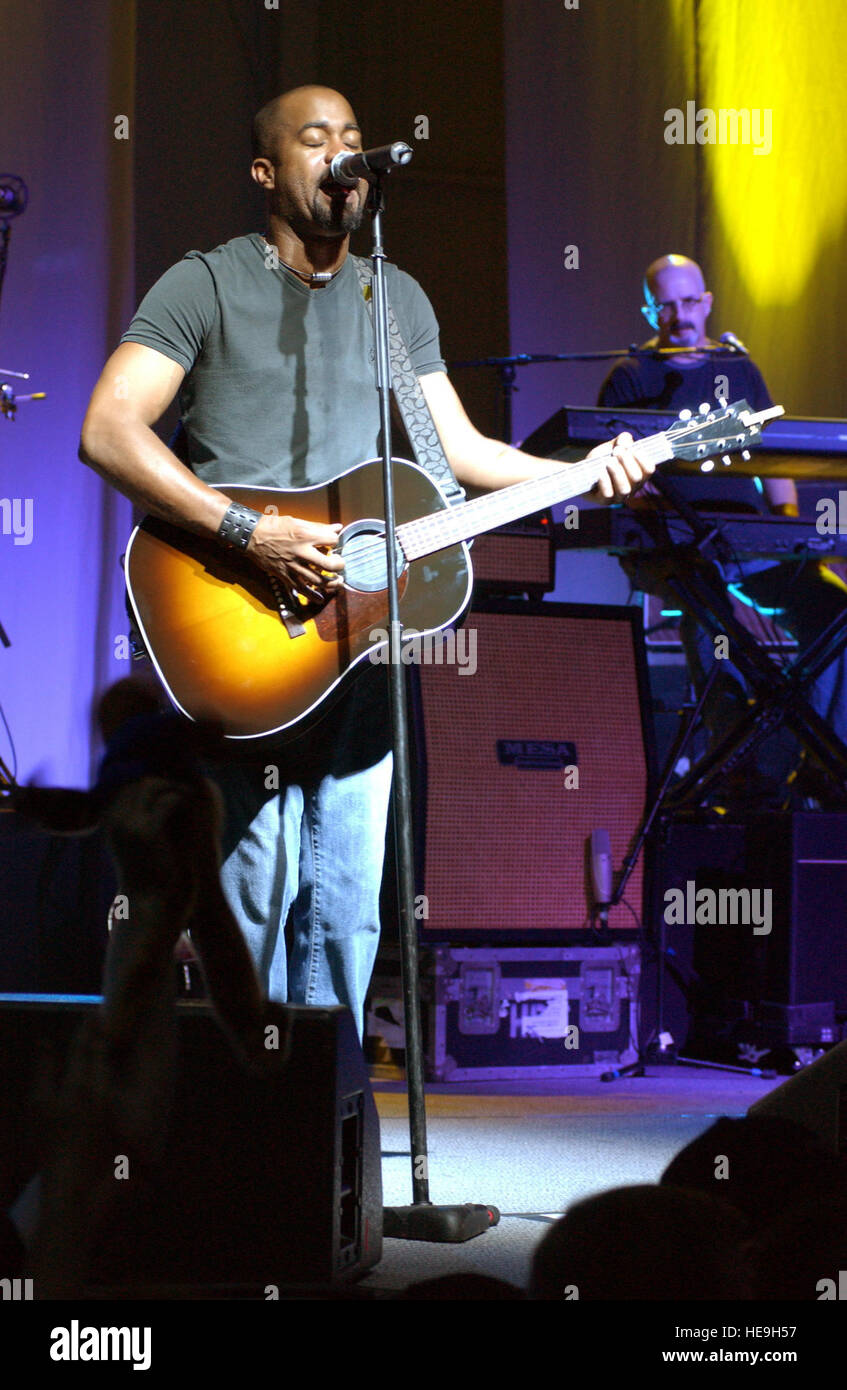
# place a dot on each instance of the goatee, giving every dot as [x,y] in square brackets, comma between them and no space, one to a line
[332,218]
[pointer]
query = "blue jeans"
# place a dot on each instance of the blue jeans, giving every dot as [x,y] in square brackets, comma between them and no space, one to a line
[303,852]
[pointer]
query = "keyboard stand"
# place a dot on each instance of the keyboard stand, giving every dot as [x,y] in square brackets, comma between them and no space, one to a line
[779,696]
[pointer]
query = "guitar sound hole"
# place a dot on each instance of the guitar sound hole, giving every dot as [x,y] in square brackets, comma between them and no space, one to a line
[362,548]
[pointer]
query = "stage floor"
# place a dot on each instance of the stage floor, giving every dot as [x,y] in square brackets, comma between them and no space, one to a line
[533,1148]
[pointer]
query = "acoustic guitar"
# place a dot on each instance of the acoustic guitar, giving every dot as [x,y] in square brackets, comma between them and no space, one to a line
[229,644]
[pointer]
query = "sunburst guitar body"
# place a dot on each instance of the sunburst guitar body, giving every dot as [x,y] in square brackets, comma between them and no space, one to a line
[218,635]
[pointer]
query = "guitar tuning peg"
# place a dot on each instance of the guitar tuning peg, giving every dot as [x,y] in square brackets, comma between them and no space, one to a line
[705,408]
[726,460]
[707,465]
[685,415]
[722,402]
[745,454]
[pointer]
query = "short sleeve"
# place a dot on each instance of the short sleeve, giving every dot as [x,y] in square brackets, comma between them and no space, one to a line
[176,315]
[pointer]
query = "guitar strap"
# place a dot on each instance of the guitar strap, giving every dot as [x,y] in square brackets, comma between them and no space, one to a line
[410,399]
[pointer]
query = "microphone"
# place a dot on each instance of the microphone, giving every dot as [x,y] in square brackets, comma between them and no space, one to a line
[347,169]
[601,875]
[735,344]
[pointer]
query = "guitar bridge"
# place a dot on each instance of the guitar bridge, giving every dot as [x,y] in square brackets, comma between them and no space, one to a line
[290,618]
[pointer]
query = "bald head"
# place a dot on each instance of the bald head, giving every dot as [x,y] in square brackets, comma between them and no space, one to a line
[676,302]
[288,112]
[295,138]
[673,262]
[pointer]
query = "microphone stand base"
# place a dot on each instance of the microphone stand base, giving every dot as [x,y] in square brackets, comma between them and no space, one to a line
[447,1225]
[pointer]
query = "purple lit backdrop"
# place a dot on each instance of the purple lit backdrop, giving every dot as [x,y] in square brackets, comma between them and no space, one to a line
[67,70]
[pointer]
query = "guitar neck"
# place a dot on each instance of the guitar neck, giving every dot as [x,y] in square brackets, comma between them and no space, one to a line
[427,534]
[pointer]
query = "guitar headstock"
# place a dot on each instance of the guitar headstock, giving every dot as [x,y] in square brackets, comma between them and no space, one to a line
[722,430]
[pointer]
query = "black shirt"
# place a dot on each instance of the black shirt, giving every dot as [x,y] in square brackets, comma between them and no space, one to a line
[660,383]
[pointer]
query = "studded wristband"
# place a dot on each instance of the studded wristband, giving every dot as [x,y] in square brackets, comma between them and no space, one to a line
[238,525]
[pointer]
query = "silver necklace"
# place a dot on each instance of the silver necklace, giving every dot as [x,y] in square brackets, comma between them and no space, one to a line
[314,278]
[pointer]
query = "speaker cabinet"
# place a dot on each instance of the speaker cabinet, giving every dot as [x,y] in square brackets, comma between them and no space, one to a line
[537,742]
[516,559]
[805,856]
[792,978]
[264,1181]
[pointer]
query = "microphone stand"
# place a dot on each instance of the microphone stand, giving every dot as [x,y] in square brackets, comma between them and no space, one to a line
[421,1220]
[507,366]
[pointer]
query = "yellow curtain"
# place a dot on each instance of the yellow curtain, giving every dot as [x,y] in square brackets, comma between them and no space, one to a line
[588,92]
[772,225]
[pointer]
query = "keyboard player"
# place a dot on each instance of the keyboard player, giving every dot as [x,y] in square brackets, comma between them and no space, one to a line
[806,594]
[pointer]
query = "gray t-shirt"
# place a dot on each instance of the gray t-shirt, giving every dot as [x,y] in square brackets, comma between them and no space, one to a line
[280,386]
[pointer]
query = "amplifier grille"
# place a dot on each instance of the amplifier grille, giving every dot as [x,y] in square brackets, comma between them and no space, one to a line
[505,844]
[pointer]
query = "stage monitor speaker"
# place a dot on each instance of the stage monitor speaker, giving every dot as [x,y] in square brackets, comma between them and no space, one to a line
[815,1097]
[55,891]
[538,741]
[264,1181]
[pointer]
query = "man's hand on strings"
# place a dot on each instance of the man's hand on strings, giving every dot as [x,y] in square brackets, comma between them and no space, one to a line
[625,472]
[300,553]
